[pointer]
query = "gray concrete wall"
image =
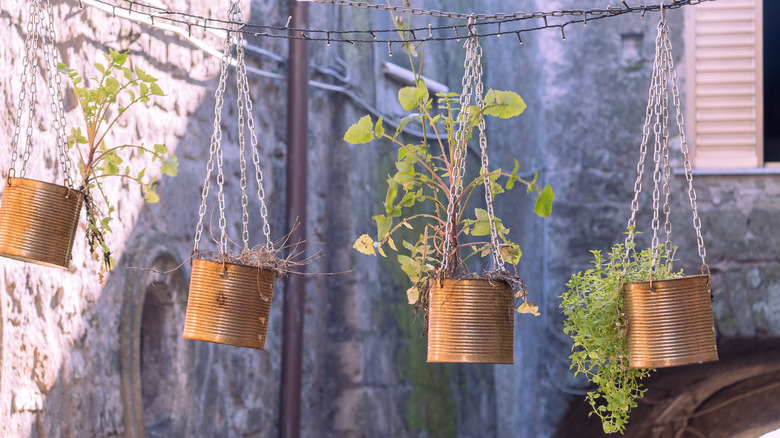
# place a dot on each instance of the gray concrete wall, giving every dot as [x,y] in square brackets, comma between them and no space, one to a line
[84,359]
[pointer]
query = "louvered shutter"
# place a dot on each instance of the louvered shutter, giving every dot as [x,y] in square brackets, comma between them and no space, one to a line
[724,76]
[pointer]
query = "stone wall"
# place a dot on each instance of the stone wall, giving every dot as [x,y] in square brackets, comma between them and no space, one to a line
[84,359]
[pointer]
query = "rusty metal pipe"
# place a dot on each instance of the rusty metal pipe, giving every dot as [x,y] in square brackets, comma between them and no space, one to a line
[297,127]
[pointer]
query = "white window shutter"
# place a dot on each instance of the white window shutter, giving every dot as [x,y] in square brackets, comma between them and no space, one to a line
[724,69]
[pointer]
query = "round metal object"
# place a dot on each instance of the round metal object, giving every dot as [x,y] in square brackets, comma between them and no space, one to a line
[670,324]
[38,221]
[470,321]
[229,304]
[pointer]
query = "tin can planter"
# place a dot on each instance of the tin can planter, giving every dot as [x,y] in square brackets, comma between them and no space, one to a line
[470,321]
[38,221]
[229,304]
[670,322]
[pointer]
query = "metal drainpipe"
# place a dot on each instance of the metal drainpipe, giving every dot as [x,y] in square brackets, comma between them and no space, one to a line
[297,127]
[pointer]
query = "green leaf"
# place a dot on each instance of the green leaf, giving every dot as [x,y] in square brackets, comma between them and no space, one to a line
[391,242]
[402,124]
[100,68]
[156,90]
[360,132]
[383,225]
[128,73]
[482,224]
[504,104]
[412,97]
[365,244]
[170,166]
[160,149]
[543,205]
[379,130]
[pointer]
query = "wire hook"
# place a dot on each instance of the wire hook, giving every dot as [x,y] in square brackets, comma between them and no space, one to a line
[519,39]
[663,12]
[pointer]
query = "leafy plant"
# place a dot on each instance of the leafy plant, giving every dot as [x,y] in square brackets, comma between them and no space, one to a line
[596,320]
[417,196]
[103,102]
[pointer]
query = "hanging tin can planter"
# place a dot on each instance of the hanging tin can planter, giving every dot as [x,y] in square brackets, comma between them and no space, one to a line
[38,221]
[230,294]
[470,321]
[670,322]
[229,304]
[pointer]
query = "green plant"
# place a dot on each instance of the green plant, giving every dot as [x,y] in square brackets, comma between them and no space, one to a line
[417,196]
[595,319]
[103,102]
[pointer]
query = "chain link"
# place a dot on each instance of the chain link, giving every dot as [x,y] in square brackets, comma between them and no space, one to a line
[686,159]
[38,31]
[55,92]
[236,16]
[216,150]
[459,155]
[30,44]
[33,87]
[664,72]
[241,67]
[498,258]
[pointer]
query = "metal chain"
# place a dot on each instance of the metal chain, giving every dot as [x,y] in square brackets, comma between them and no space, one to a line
[498,258]
[241,71]
[459,151]
[30,43]
[51,59]
[216,150]
[664,72]
[660,131]
[33,88]
[685,151]
[667,170]
[651,101]
[236,16]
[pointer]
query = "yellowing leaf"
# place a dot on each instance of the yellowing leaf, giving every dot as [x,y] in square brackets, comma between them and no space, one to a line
[365,244]
[529,307]
[413,294]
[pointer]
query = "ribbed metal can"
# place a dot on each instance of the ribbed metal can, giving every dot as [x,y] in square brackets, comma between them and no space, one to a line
[670,325]
[470,321]
[229,304]
[38,221]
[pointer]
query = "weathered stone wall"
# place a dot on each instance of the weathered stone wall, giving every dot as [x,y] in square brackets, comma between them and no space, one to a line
[84,359]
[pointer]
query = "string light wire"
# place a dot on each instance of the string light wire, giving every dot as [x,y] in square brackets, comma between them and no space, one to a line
[489,24]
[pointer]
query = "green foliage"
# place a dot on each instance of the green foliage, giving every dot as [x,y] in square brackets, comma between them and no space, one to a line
[595,319]
[103,102]
[418,192]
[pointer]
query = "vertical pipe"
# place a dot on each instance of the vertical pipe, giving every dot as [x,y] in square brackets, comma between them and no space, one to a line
[297,127]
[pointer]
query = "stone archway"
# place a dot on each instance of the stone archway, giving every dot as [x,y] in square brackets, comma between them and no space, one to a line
[733,398]
[155,300]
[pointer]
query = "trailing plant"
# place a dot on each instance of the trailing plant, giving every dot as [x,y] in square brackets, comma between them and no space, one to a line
[596,320]
[104,100]
[418,193]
